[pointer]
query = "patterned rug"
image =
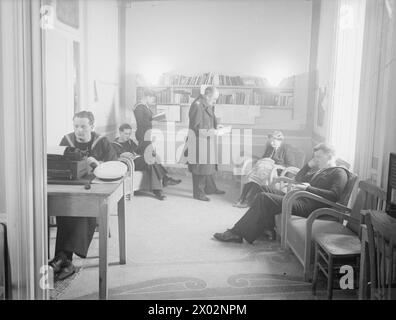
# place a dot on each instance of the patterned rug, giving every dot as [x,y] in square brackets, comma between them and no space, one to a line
[61,286]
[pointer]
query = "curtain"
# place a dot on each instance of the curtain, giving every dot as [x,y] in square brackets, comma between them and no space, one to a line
[346,78]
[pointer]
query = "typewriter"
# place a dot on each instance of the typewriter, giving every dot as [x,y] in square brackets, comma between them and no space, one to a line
[66,164]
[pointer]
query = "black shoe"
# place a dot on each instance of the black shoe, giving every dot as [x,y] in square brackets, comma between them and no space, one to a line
[202,198]
[228,236]
[59,261]
[270,234]
[168,181]
[217,191]
[159,194]
[66,271]
[240,205]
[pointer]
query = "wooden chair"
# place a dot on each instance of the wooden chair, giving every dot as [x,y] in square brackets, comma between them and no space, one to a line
[5,269]
[381,231]
[391,190]
[339,220]
[297,231]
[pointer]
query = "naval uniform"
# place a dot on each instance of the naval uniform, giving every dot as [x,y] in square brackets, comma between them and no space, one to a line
[155,171]
[74,234]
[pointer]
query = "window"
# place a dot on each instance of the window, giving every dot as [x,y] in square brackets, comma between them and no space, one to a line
[346,78]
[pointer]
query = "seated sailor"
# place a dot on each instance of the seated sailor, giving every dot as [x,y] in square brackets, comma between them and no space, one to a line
[74,234]
[319,176]
[158,177]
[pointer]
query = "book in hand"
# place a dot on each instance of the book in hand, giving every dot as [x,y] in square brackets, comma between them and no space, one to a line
[221,131]
[161,116]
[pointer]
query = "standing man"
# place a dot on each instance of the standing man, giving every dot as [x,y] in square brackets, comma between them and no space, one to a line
[144,117]
[74,234]
[202,119]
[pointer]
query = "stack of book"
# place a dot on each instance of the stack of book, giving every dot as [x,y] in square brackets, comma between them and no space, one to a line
[230,81]
[181,80]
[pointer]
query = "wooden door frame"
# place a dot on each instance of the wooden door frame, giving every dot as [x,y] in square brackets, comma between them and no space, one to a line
[24,123]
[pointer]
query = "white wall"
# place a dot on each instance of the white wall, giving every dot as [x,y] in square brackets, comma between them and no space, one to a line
[261,38]
[237,37]
[101,63]
[99,59]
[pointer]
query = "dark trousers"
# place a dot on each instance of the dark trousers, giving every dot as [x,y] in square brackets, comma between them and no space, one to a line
[261,215]
[249,192]
[203,184]
[74,234]
[155,171]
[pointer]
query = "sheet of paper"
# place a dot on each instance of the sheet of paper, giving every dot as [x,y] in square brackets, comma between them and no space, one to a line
[57,150]
[224,130]
[172,112]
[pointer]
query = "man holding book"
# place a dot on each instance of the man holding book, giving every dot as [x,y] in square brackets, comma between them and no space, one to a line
[144,117]
[203,126]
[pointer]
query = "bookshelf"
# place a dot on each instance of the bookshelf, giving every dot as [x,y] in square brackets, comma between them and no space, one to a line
[241,100]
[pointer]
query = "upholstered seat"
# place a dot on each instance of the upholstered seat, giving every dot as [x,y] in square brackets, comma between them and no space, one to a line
[297,230]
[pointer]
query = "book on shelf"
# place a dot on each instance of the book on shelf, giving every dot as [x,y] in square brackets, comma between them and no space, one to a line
[243,90]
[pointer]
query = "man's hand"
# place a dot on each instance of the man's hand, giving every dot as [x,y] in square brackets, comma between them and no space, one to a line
[301,186]
[312,163]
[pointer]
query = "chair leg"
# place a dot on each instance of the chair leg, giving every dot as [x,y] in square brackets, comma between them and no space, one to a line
[315,271]
[330,279]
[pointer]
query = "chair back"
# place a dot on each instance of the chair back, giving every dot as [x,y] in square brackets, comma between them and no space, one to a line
[5,269]
[391,190]
[369,196]
[381,232]
[352,179]
[299,157]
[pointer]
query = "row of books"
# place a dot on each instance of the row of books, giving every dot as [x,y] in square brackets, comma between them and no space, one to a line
[255,98]
[180,80]
[215,79]
[237,98]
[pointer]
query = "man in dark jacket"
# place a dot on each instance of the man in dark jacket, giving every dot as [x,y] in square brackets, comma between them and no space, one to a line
[202,120]
[144,117]
[74,234]
[319,176]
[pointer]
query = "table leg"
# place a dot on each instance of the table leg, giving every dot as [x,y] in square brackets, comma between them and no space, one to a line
[103,252]
[363,276]
[121,230]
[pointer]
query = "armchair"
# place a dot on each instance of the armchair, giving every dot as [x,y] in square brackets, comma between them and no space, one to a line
[299,232]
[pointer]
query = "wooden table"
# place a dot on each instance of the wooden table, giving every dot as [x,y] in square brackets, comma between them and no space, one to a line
[98,202]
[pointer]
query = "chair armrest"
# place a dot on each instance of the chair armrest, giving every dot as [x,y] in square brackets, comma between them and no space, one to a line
[130,164]
[287,205]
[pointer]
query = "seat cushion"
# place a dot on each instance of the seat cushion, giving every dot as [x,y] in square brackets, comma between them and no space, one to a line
[339,244]
[296,231]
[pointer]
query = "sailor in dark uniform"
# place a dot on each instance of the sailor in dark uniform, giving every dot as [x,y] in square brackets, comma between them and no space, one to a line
[74,234]
[144,118]
[124,145]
